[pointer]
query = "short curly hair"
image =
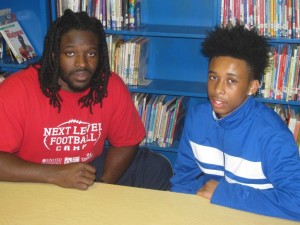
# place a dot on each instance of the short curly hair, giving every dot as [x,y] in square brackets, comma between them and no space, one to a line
[239,42]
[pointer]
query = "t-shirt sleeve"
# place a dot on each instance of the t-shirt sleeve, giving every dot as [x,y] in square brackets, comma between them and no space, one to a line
[126,127]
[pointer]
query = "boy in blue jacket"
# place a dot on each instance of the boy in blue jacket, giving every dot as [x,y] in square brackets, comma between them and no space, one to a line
[234,150]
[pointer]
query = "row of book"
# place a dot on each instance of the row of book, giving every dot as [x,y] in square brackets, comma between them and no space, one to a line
[291,117]
[281,79]
[114,14]
[14,43]
[273,18]
[162,116]
[129,58]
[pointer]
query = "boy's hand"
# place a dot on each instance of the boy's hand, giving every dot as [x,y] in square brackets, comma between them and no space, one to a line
[208,189]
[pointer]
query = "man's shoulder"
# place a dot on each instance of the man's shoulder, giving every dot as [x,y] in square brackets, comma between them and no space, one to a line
[115,78]
[116,83]
[25,77]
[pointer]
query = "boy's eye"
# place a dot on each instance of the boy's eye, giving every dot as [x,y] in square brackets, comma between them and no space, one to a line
[212,77]
[231,81]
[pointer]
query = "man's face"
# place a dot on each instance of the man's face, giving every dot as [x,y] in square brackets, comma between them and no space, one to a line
[78,60]
[229,84]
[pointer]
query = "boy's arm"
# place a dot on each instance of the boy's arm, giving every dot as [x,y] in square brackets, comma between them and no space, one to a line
[187,174]
[73,175]
[283,200]
[117,161]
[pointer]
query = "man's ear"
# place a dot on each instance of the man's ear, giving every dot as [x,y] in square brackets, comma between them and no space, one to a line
[254,87]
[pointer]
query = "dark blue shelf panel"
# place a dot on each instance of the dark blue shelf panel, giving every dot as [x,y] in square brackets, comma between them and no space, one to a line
[274,101]
[165,31]
[9,65]
[284,40]
[156,147]
[173,87]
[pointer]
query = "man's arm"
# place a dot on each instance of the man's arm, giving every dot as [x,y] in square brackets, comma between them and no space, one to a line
[73,175]
[116,162]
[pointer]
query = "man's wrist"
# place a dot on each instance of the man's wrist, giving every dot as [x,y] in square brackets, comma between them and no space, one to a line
[101,181]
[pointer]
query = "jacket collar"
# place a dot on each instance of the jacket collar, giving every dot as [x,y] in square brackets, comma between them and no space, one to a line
[239,115]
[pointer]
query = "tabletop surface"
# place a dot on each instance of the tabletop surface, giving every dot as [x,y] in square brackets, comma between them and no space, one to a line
[43,204]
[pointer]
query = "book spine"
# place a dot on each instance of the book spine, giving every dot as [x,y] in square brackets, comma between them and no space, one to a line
[131,16]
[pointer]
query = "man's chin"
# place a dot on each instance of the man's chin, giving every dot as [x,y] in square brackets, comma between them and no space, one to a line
[78,88]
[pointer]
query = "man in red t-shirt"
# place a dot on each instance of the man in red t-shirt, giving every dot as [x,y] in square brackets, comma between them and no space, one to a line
[56,116]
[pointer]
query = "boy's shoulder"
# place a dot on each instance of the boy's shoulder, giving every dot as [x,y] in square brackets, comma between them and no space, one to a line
[268,116]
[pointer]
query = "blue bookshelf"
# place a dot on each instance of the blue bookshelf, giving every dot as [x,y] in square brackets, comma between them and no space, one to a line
[176,65]
[34,17]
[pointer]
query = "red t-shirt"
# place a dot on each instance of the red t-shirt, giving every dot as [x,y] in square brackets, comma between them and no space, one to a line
[33,129]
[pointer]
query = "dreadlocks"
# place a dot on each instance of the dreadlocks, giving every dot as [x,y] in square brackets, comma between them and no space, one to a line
[241,43]
[49,68]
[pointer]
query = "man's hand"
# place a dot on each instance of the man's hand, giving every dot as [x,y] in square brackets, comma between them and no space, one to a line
[208,189]
[74,175]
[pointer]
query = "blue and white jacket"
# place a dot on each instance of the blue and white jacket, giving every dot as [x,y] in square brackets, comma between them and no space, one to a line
[251,153]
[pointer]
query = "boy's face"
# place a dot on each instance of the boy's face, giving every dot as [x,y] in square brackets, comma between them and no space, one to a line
[229,84]
[78,60]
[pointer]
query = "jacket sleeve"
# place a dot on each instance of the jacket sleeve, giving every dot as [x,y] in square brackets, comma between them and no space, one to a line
[187,174]
[281,165]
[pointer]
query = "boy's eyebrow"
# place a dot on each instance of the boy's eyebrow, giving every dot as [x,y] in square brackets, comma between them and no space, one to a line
[211,71]
[228,74]
[232,74]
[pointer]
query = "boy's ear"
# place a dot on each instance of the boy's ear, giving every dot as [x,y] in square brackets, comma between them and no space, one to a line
[254,87]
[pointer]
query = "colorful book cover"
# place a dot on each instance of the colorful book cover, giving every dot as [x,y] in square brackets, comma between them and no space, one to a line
[286,72]
[113,14]
[163,126]
[148,114]
[17,41]
[152,121]
[131,16]
[6,16]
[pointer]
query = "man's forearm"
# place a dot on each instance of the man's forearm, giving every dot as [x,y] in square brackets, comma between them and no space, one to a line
[116,162]
[13,168]
[73,175]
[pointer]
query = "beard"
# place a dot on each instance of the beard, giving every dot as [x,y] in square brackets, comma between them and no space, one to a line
[75,85]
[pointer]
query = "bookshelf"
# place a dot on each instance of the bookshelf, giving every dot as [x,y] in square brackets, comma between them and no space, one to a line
[34,17]
[176,30]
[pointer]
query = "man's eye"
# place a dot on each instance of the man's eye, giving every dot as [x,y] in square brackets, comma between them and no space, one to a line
[69,53]
[231,81]
[92,53]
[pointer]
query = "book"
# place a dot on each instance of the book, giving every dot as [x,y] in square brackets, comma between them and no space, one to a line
[142,61]
[6,16]
[4,75]
[293,117]
[62,5]
[137,13]
[125,22]
[165,111]
[17,41]
[131,16]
